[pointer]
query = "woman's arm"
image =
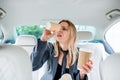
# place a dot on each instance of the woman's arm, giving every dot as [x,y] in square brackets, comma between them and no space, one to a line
[40,54]
[41,51]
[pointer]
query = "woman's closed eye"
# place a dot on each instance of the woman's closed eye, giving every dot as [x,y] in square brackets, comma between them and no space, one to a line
[64,28]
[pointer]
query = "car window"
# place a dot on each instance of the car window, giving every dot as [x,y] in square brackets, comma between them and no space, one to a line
[35,30]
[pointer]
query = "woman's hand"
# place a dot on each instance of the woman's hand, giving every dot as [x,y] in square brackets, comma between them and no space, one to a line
[46,35]
[86,69]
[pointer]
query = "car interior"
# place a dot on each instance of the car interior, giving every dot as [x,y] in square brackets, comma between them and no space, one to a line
[23,21]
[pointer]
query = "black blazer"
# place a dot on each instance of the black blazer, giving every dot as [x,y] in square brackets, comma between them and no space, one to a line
[44,51]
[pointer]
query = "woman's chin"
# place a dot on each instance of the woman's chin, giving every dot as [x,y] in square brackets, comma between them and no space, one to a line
[59,40]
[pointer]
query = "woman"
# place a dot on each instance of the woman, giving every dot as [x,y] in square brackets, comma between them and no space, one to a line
[62,56]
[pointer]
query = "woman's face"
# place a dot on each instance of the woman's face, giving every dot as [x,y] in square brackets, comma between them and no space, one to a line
[62,33]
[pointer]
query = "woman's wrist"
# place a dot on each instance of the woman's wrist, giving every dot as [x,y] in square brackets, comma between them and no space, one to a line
[82,76]
[43,39]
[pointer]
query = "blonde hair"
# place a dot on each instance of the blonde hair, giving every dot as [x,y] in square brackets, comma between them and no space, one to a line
[72,48]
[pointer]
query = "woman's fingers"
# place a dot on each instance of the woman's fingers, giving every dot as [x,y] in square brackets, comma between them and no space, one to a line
[90,61]
[87,67]
[47,34]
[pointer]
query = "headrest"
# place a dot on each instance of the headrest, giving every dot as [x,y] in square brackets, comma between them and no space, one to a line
[86,34]
[26,40]
[12,59]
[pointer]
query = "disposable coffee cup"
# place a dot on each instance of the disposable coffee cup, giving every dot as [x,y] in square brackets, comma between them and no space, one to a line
[52,26]
[84,57]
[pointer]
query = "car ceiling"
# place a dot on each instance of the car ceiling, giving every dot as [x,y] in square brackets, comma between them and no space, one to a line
[81,12]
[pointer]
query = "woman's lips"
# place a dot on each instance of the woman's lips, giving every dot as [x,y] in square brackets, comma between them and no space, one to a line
[59,35]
